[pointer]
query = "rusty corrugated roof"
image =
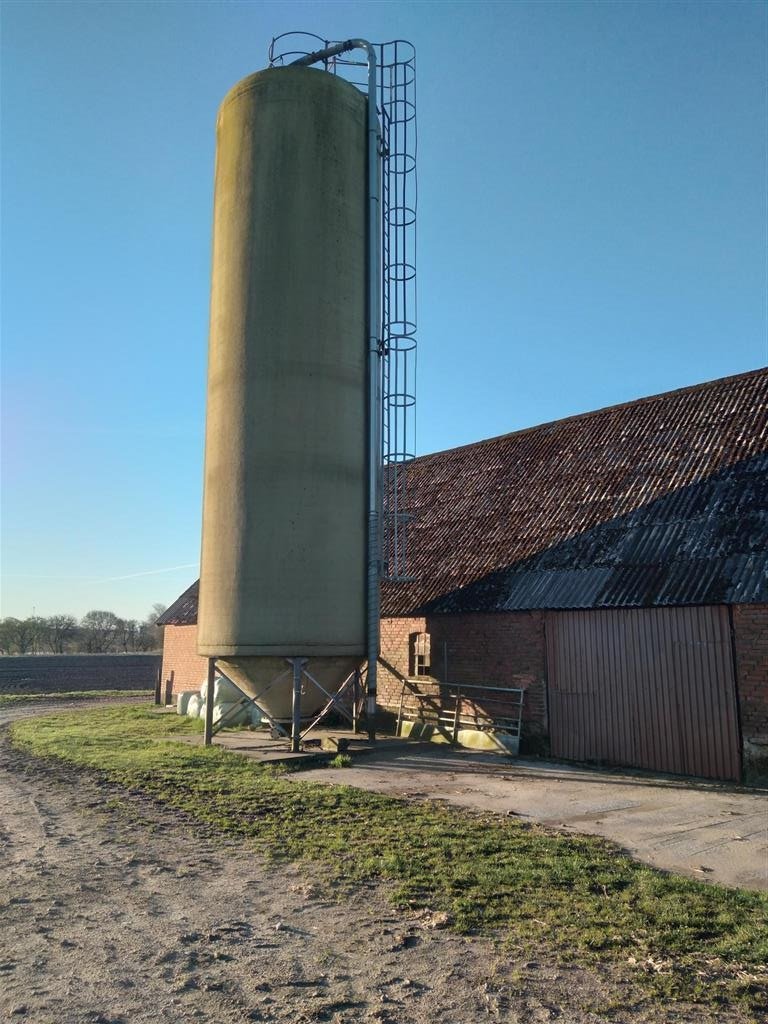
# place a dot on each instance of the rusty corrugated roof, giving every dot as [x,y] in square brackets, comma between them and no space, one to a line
[660,501]
[183,611]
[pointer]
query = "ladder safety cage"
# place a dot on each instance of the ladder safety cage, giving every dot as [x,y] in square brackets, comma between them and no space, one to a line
[396,106]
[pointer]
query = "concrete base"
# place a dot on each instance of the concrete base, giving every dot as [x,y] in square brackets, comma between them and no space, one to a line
[472,739]
[338,744]
[323,745]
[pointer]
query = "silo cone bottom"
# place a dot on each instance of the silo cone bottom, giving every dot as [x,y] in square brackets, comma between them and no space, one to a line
[254,675]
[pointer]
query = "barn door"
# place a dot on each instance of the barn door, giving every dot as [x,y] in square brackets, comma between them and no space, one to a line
[648,688]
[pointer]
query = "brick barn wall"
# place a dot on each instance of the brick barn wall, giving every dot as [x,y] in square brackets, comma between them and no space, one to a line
[750,635]
[507,649]
[180,657]
[502,649]
[497,649]
[395,659]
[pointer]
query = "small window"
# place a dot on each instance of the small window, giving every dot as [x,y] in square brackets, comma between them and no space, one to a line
[421,662]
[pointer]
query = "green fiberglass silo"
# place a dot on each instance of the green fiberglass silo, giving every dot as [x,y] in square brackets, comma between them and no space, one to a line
[283,571]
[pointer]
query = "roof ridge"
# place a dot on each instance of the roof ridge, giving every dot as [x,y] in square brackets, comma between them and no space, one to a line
[645,399]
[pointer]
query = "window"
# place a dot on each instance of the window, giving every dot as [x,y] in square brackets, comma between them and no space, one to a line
[421,661]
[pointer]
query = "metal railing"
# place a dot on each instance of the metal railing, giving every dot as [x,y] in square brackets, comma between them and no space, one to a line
[451,708]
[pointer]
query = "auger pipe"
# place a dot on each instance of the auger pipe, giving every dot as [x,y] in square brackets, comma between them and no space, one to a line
[374,360]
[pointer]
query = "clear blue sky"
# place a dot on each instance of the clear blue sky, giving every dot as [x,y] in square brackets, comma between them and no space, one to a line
[592,229]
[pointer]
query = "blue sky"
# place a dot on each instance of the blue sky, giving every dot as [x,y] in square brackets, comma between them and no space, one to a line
[592,229]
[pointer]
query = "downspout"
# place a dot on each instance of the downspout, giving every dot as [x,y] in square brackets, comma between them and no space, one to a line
[373,273]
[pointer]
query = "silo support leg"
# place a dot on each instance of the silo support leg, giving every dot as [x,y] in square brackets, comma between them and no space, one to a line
[298,673]
[208,733]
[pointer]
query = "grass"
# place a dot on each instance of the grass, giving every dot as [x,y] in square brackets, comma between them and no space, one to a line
[576,897]
[340,761]
[24,698]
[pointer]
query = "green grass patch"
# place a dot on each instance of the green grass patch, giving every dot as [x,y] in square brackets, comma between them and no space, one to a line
[575,896]
[26,698]
[340,761]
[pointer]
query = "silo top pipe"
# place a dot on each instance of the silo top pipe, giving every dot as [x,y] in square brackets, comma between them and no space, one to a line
[374,356]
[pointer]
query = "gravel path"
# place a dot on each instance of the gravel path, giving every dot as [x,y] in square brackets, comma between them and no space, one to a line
[112,912]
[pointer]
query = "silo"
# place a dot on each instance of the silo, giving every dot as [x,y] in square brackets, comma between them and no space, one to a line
[283,568]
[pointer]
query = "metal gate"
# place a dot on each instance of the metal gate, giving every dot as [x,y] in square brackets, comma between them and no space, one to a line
[649,688]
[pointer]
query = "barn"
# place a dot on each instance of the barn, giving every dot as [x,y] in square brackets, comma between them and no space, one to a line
[612,567]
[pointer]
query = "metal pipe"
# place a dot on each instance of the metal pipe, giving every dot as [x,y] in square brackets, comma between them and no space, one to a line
[374,361]
[208,733]
[298,671]
[355,698]
[331,51]
[374,391]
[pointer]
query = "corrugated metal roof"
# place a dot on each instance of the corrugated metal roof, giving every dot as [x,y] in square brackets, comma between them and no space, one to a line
[656,502]
[662,501]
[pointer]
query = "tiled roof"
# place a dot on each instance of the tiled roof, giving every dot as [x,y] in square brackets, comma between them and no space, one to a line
[654,502]
[183,611]
[659,501]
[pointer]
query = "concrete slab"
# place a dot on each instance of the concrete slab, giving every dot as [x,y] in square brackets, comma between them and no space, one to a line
[708,831]
[261,747]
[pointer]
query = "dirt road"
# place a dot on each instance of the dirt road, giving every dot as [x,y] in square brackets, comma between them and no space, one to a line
[113,913]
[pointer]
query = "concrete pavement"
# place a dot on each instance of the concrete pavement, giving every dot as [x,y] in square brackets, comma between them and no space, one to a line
[709,831]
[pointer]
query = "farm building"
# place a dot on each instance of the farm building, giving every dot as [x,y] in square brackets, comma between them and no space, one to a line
[613,566]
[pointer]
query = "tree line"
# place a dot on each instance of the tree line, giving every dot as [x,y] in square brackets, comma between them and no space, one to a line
[98,632]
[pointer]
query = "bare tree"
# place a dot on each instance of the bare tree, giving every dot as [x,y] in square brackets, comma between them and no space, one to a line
[19,635]
[127,634]
[59,632]
[6,635]
[150,636]
[100,631]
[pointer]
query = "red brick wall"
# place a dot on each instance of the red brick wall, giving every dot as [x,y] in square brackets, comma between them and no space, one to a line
[495,649]
[750,634]
[180,657]
[504,649]
[395,660]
